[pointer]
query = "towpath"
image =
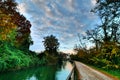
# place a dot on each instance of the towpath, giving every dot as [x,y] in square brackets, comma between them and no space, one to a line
[87,73]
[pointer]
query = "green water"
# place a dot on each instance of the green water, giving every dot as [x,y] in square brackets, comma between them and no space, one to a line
[59,72]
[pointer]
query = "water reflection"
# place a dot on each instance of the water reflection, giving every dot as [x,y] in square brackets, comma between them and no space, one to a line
[64,71]
[40,73]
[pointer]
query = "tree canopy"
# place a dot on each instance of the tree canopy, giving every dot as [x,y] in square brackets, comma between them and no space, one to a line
[11,21]
[109,13]
[51,43]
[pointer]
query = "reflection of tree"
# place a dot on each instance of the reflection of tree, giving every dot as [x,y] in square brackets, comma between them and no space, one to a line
[64,64]
[46,73]
[40,73]
[61,65]
[18,75]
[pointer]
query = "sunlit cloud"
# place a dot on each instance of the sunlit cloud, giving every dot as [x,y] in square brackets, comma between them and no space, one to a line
[93,2]
[21,8]
[62,18]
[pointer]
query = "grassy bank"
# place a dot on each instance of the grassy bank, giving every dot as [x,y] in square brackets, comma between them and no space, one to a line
[115,73]
[11,58]
[110,72]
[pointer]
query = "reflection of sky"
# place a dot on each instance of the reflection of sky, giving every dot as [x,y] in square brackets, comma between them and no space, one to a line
[62,75]
[32,78]
[64,72]
[39,73]
[62,18]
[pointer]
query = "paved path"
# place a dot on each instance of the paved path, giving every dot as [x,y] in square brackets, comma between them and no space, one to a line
[87,73]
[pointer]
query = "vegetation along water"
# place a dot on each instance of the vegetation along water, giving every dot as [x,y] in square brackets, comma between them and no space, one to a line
[50,72]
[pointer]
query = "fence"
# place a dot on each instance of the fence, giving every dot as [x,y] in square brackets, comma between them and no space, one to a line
[72,73]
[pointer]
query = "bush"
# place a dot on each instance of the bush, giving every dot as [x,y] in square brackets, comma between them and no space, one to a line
[47,58]
[13,58]
[108,58]
[3,65]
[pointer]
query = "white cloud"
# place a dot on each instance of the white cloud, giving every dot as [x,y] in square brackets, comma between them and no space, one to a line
[93,2]
[69,51]
[70,5]
[63,18]
[21,8]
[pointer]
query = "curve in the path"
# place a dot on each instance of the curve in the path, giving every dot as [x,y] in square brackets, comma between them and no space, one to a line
[88,73]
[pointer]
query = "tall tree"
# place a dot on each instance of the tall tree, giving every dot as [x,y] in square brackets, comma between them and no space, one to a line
[95,37]
[109,13]
[7,28]
[51,44]
[9,8]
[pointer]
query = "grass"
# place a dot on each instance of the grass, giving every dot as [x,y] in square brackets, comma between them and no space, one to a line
[115,73]
[110,72]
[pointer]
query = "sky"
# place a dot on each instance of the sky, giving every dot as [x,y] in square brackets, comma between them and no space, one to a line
[61,18]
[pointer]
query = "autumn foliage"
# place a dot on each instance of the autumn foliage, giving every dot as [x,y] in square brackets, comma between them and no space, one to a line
[14,38]
[106,38]
[12,22]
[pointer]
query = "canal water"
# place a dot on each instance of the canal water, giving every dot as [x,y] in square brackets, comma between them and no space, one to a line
[59,72]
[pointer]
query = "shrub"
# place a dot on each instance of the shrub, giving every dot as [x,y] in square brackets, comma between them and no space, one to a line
[108,58]
[13,58]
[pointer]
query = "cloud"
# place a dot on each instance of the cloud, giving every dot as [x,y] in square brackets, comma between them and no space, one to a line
[21,8]
[93,2]
[69,51]
[62,18]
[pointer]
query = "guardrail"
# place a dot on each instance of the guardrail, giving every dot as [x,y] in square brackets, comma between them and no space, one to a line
[71,75]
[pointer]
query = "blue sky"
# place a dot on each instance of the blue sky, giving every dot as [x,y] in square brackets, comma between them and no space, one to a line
[62,18]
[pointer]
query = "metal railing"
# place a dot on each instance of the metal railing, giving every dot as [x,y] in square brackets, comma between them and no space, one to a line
[71,75]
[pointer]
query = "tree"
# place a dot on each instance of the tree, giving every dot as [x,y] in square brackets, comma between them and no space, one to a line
[7,28]
[109,13]
[95,37]
[109,33]
[8,8]
[51,44]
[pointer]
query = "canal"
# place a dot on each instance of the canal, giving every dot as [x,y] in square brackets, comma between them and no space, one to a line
[58,72]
